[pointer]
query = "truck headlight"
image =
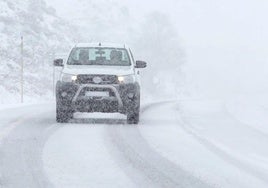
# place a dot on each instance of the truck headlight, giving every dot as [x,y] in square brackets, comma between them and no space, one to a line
[126,79]
[68,78]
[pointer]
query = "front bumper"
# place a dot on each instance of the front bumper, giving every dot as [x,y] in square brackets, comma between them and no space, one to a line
[121,96]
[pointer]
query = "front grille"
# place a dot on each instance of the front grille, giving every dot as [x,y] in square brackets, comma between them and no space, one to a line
[89,79]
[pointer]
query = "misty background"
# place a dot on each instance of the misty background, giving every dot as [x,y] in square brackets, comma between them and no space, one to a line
[200,49]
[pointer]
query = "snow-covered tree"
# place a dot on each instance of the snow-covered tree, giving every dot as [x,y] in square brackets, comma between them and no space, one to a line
[43,33]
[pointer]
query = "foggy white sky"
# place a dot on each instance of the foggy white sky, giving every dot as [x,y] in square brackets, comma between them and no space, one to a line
[226,41]
[240,21]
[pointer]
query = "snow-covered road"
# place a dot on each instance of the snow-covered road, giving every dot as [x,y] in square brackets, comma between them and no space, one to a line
[177,144]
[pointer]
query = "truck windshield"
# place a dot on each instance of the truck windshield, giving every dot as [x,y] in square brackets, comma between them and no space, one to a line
[99,56]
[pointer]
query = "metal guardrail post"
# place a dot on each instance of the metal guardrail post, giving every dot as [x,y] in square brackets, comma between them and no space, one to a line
[22,72]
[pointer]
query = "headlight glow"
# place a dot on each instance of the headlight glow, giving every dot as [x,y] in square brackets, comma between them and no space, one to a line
[126,79]
[120,79]
[68,78]
[74,78]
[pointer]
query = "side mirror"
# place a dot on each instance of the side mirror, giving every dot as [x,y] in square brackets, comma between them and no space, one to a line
[140,64]
[58,62]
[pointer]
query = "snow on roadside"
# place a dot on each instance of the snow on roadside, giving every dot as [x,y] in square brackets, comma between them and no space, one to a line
[5,125]
[19,106]
[13,114]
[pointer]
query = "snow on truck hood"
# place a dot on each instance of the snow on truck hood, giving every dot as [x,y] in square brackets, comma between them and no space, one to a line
[91,69]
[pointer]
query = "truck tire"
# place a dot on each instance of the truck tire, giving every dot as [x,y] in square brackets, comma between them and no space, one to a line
[63,113]
[133,113]
[133,118]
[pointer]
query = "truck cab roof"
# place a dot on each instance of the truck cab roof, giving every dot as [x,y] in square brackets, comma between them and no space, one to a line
[100,44]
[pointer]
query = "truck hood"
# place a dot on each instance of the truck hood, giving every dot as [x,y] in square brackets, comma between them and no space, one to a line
[90,69]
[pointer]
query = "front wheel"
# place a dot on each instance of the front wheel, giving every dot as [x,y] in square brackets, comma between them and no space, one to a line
[133,111]
[133,118]
[63,115]
[64,112]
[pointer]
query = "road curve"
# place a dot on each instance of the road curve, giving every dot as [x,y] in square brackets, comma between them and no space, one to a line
[130,152]
[21,151]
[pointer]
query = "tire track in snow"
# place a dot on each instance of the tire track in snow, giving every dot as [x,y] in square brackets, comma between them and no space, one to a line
[21,153]
[9,127]
[258,131]
[249,169]
[141,163]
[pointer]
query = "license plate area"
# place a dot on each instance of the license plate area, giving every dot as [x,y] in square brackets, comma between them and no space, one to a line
[97,94]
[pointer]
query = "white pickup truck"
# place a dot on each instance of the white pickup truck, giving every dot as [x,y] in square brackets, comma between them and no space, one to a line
[99,77]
